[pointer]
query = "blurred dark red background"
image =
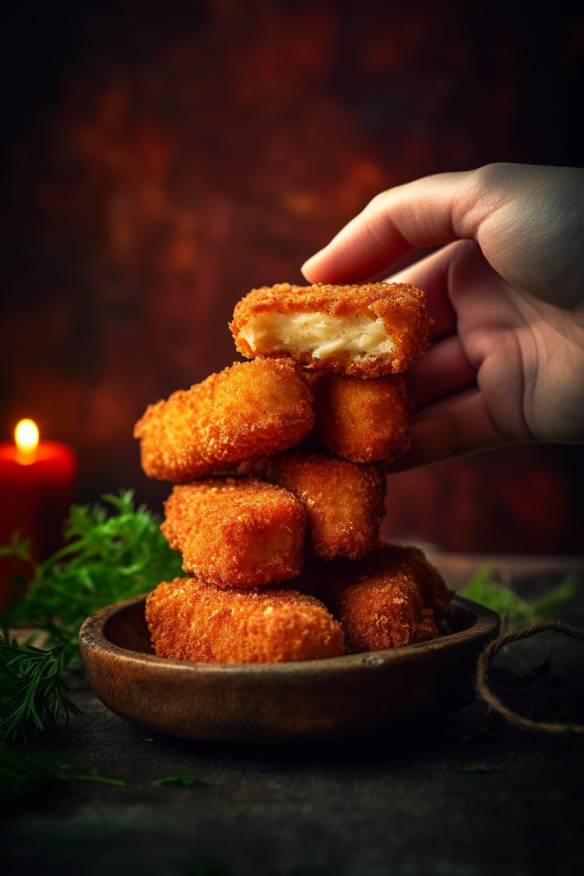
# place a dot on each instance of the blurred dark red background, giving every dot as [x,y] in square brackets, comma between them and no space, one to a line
[160,159]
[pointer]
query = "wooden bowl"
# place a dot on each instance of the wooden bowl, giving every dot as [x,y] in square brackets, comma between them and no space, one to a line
[337,698]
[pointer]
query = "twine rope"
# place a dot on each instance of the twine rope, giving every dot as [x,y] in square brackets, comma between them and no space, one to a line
[494,702]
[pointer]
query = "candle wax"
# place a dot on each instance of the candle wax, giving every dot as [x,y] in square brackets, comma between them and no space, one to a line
[36,491]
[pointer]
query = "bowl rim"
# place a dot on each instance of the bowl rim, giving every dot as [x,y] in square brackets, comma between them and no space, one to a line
[92,638]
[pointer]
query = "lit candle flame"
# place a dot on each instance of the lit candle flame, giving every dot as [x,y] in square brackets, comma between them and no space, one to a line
[26,436]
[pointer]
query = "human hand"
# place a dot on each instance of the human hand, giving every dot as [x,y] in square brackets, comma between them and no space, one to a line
[507,294]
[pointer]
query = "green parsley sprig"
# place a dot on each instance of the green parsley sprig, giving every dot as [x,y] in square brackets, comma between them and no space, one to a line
[114,551]
[514,610]
[23,774]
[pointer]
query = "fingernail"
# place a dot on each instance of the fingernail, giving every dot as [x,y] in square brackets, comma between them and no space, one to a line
[310,263]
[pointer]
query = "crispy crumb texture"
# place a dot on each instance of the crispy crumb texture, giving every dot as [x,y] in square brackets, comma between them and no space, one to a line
[344,503]
[392,597]
[246,410]
[236,533]
[412,560]
[191,620]
[368,330]
[362,420]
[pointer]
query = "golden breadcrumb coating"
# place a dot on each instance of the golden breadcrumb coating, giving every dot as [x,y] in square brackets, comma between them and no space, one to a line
[362,420]
[246,410]
[413,561]
[368,330]
[344,503]
[380,612]
[191,620]
[236,533]
[392,597]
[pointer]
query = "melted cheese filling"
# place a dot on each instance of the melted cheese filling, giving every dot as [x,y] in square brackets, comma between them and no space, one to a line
[318,333]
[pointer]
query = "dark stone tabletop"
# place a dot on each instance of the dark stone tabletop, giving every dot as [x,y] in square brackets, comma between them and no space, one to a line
[465,797]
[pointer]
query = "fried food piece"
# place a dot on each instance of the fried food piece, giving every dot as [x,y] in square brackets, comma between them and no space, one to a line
[411,560]
[246,410]
[236,533]
[368,330]
[382,612]
[393,597]
[191,620]
[362,420]
[344,503]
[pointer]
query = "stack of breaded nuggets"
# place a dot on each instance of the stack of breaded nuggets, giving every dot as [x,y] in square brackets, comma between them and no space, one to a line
[283,544]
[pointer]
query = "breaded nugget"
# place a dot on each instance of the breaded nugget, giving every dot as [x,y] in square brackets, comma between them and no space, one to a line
[381,612]
[368,330]
[236,533]
[412,560]
[362,420]
[246,410]
[191,620]
[392,597]
[344,503]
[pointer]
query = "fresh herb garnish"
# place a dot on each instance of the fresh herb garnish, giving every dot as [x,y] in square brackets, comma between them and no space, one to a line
[110,554]
[32,690]
[183,779]
[514,610]
[23,774]
[113,551]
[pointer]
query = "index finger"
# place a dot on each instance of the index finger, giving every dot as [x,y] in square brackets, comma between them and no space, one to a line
[433,210]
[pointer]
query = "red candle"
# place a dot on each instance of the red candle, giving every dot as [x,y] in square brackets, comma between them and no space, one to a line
[36,488]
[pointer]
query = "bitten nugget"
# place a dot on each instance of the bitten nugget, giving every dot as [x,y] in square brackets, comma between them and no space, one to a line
[236,533]
[191,620]
[362,420]
[367,330]
[344,503]
[246,410]
[393,597]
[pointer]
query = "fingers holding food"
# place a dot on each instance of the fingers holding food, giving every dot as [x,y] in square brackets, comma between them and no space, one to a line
[236,533]
[191,620]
